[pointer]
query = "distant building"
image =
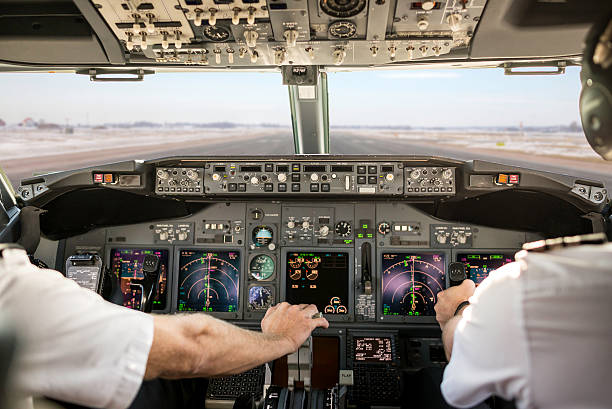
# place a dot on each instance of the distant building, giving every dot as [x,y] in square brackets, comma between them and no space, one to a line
[47,126]
[2,123]
[28,122]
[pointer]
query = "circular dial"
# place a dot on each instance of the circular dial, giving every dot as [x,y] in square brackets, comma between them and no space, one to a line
[262,236]
[296,262]
[343,29]
[260,297]
[384,228]
[313,262]
[342,8]
[262,267]
[343,228]
[216,33]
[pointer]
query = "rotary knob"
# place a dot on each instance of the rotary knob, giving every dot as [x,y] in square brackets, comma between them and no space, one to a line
[389,177]
[291,36]
[172,182]
[291,224]
[423,23]
[461,238]
[436,182]
[282,177]
[447,174]
[384,228]
[314,177]
[163,236]
[163,174]
[415,174]
[343,228]
[216,177]
[250,37]
[182,236]
[323,231]
[191,174]
[305,224]
[254,180]
[441,238]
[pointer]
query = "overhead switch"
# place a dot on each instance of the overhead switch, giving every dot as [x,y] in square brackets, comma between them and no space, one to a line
[212,19]
[250,37]
[236,16]
[251,16]
[291,36]
[339,55]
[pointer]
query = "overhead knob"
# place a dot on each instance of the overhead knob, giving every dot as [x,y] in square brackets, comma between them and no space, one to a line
[392,52]
[291,224]
[254,180]
[314,177]
[447,173]
[182,236]
[310,52]
[305,224]
[279,56]
[454,21]
[324,230]
[212,19]
[389,177]
[197,20]
[339,55]
[461,238]
[254,56]
[163,236]
[441,238]
[216,177]
[423,23]
[250,37]
[191,174]
[374,51]
[162,174]
[437,50]
[242,52]
[251,16]
[236,16]
[282,177]
[410,50]
[291,36]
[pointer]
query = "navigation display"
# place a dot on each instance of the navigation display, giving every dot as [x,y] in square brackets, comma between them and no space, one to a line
[411,282]
[126,265]
[209,280]
[319,278]
[373,349]
[479,265]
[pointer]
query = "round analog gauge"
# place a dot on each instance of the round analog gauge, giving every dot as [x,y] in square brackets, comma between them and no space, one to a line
[262,267]
[260,297]
[343,229]
[216,33]
[262,236]
[343,29]
[312,275]
[313,262]
[342,8]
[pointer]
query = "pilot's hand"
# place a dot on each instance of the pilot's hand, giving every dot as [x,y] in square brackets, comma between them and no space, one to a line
[292,322]
[449,300]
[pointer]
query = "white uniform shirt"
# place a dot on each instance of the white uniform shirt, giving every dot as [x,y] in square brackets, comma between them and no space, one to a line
[72,345]
[538,331]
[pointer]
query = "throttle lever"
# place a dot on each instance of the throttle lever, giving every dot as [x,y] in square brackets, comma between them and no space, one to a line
[457,272]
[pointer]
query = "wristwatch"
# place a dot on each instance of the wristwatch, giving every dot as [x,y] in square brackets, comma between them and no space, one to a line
[463,304]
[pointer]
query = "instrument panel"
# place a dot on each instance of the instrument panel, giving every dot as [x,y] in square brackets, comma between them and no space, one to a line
[362,263]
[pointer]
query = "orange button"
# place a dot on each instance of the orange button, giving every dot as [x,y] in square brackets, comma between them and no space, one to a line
[502,179]
[108,178]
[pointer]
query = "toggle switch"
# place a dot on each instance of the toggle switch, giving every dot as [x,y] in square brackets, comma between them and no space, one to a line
[177,40]
[164,42]
[291,37]
[454,21]
[143,41]
[236,16]
[197,20]
[339,55]
[392,52]
[279,56]
[374,51]
[254,56]
[310,52]
[251,16]
[212,19]
[230,55]
[217,56]
[149,25]
[250,37]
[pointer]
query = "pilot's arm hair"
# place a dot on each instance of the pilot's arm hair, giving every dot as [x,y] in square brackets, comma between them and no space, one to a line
[197,345]
[485,342]
[75,347]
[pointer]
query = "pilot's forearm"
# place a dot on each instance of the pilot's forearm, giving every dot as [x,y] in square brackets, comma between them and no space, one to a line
[448,333]
[197,345]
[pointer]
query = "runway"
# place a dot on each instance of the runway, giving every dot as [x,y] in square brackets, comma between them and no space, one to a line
[281,142]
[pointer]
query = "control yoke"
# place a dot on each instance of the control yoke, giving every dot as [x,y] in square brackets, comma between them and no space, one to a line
[148,284]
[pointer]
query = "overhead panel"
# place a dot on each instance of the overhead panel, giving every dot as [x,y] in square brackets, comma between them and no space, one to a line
[244,33]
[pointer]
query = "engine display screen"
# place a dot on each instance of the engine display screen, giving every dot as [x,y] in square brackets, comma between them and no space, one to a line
[411,282]
[373,349]
[126,265]
[209,280]
[479,265]
[319,278]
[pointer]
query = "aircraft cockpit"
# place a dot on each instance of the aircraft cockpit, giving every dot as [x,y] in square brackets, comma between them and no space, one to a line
[370,237]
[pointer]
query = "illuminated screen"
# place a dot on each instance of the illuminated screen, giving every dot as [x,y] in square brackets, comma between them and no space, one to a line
[373,349]
[126,264]
[479,265]
[411,282]
[320,278]
[209,280]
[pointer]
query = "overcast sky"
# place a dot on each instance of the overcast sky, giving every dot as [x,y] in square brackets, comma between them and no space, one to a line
[476,97]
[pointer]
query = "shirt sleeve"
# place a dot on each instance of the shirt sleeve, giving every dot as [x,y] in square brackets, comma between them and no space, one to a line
[73,345]
[489,354]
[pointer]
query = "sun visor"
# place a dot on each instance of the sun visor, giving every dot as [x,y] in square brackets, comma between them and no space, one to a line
[47,33]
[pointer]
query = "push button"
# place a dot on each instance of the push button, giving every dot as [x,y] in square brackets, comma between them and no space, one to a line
[231,187]
[372,169]
[269,167]
[372,180]
[242,187]
[325,187]
[314,187]
[295,177]
[282,187]
[268,187]
[361,180]
[295,187]
[361,170]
